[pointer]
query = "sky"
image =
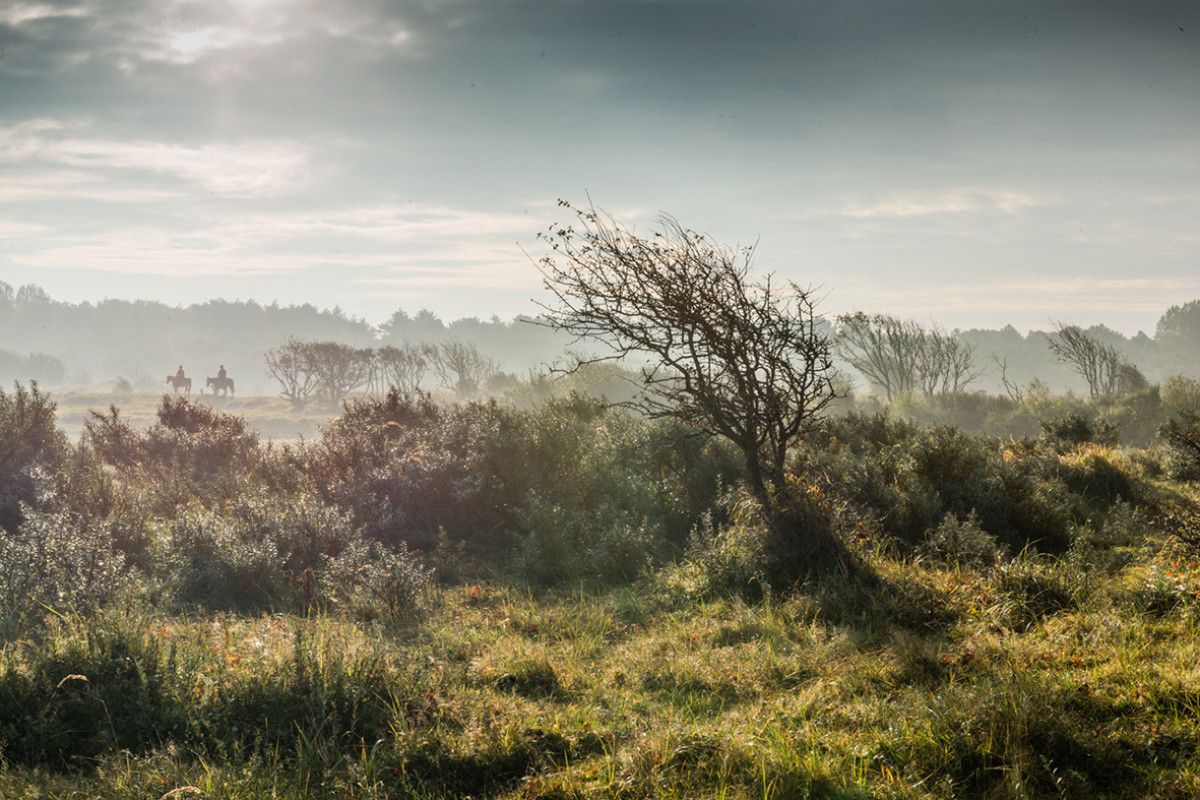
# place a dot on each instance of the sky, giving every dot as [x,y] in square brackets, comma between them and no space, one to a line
[969,164]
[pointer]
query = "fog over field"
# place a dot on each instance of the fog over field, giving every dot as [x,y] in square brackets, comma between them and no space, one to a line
[977,165]
[606,399]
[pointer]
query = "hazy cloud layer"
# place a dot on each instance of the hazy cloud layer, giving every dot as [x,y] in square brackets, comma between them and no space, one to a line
[933,159]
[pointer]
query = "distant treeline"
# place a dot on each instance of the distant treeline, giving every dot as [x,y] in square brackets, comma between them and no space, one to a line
[136,344]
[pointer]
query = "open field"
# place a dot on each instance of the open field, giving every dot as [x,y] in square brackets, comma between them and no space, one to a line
[273,417]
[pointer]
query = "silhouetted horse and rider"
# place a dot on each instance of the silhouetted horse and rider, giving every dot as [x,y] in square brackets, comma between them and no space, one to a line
[221,384]
[180,381]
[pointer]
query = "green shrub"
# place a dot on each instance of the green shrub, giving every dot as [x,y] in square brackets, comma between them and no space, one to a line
[724,558]
[1078,428]
[208,561]
[974,412]
[32,449]
[57,560]
[1181,395]
[207,446]
[265,555]
[762,551]
[906,480]
[962,542]
[1136,416]
[1093,476]
[1182,436]
[369,581]
[192,452]
[566,490]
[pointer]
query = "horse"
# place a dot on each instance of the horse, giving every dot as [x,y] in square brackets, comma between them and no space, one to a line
[222,385]
[180,383]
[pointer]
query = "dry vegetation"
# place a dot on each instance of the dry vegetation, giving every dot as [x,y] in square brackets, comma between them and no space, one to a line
[565,601]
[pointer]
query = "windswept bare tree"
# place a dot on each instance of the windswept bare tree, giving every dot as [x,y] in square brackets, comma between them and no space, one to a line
[946,364]
[884,349]
[1107,372]
[326,370]
[461,367]
[339,368]
[290,364]
[901,356]
[402,368]
[729,355]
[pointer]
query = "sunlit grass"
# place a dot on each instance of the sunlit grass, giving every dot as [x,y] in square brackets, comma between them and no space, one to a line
[507,694]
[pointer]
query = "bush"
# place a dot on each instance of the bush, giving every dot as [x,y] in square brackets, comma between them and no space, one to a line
[566,490]
[1077,428]
[301,556]
[1136,416]
[974,412]
[760,551]
[58,561]
[907,480]
[1181,395]
[1182,435]
[961,542]
[192,452]
[1091,474]
[207,561]
[32,449]
[369,581]
[206,446]
[723,558]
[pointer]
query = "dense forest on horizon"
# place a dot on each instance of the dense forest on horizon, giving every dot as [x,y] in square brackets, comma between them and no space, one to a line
[135,344]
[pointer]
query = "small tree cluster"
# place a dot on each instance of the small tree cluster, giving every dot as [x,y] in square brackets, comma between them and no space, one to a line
[1107,372]
[902,356]
[461,367]
[328,371]
[399,368]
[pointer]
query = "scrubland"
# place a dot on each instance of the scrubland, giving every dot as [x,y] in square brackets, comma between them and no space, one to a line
[556,599]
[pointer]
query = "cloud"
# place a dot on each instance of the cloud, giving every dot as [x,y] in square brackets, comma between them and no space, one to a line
[61,186]
[21,13]
[433,246]
[951,201]
[248,168]
[15,230]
